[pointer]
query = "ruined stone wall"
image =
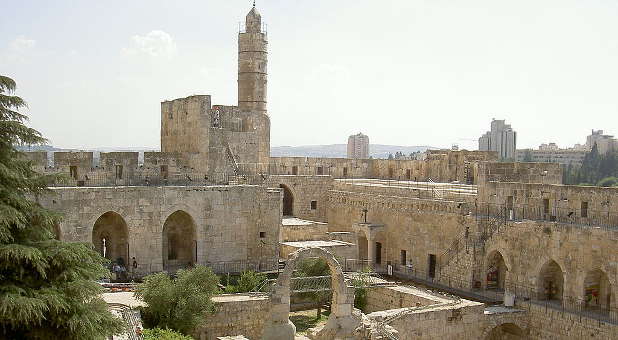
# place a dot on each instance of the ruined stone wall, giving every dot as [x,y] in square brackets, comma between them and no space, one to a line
[304,231]
[383,298]
[546,173]
[237,314]
[227,219]
[459,321]
[305,189]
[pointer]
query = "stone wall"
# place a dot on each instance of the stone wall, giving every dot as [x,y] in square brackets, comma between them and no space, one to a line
[551,324]
[231,223]
[440,166]
[545,173]
[304,190]
[237,314]
[293,229]
[419,226]
[383,298]
[462,320]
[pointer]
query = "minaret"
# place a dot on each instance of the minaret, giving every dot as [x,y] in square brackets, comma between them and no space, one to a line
[252,60]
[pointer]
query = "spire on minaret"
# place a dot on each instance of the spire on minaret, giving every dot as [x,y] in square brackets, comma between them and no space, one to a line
[253,21]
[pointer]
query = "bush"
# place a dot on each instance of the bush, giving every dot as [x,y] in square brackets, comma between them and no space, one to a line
[163,334]
[247,282]
[181,304]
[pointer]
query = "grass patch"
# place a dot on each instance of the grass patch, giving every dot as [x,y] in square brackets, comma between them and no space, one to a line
[304,320]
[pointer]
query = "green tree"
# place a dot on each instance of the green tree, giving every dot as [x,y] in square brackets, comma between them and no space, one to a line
[47,287]
[315,267]
[608,182]
[181,304]
[247,282]
[163,334]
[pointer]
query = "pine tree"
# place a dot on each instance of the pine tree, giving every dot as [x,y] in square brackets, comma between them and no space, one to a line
[47,287]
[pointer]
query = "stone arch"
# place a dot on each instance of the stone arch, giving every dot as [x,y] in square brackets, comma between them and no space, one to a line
[341,322]
[496,270]
[506,330]
[110,237]
[288,200]
[550,281]
[597,290]
[179,241]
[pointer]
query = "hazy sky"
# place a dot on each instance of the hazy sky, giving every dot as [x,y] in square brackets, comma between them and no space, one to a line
[410,72]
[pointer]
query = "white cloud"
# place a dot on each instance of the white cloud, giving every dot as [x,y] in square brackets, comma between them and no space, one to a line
[155,43]
[19,48]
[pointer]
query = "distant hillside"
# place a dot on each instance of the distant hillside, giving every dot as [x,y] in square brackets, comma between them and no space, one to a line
[340,150]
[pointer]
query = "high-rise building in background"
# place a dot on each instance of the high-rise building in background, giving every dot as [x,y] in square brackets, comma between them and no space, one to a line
[501,138]
[358,146]
[604,143]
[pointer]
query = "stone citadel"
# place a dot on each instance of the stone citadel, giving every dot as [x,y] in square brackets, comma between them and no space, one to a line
[521,255]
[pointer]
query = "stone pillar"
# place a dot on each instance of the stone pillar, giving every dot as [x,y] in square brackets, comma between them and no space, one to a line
[371,250]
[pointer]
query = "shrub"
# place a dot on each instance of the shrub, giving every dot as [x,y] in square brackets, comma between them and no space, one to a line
[181,304]
[247,282]
[163,334]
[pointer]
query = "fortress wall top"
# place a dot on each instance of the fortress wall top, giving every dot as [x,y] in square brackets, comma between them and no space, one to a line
[547,173]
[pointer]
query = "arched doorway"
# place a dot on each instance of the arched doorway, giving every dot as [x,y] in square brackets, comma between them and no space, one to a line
[288,201]
[179,241]
[505,331]
[341,322]
[550,282]
[597,290]
[495,271]
[110,237]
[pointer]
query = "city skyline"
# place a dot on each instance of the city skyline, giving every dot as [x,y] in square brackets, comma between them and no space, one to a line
[515,62]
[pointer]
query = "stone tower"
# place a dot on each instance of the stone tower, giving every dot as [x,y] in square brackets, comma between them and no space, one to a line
[252,60]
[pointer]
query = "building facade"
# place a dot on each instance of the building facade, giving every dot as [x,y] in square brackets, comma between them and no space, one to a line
[358,146]
[501,138]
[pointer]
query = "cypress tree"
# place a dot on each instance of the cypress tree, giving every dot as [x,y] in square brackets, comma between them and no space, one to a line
[47,287]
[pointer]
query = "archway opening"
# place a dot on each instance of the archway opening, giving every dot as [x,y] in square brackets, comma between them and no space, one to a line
[496,271]
[597,290]
[110,237]
[551,282]
[179,241]
[341,322]
[288,201]
[506,331]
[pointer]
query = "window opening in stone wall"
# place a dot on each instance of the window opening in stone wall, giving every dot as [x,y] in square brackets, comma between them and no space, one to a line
[118,171]
[320,170]
[584,210]
[262,234]
[314,205]
[378,253]
[345,172]
[73,171]
[391,172]
[170,115]
[432,265]
[295,170]
[164,171]
[404,256]
[408,174]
